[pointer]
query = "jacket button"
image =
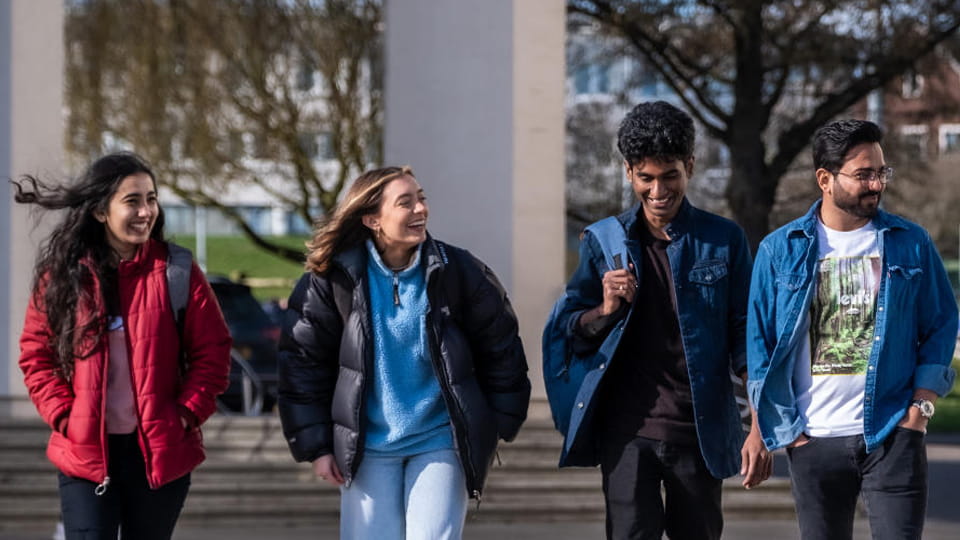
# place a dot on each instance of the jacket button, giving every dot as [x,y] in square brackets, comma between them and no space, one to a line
[580,405]
[602,366]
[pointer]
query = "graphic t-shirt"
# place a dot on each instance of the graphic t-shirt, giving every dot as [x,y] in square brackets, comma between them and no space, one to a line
[830,375]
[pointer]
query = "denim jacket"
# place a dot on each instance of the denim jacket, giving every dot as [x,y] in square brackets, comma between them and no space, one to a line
[914,334]
[710,263]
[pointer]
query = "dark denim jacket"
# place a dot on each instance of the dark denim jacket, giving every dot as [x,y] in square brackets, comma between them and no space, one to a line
[710,262]
[914,334]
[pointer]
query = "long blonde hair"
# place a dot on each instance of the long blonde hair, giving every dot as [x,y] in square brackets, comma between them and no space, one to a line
[344,229]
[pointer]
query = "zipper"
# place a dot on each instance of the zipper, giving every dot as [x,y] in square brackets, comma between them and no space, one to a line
[459,431]
[102,486]
[104,442]
[455,419]
[136,405]
[396,289]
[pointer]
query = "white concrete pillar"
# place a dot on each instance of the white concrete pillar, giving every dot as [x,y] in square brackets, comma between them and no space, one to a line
[474,102]
[31,142]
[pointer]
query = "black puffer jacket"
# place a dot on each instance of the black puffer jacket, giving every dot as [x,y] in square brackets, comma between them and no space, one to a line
[325,365]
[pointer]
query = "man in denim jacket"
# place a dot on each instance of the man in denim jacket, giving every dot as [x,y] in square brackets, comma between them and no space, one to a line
[851,330]
[661,413]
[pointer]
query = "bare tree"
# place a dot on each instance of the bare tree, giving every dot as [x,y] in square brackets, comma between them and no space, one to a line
[762,75]
[231,93]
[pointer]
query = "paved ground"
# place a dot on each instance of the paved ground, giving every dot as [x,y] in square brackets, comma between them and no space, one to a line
[943,516]
[736,530]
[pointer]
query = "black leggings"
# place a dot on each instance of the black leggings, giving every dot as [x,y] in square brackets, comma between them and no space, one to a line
[128,503]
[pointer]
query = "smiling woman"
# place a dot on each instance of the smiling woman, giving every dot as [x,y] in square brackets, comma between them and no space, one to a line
[405,367]
[101,354]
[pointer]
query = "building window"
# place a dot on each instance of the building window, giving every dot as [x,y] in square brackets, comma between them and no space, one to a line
[309,145]
[912,87]
[949,139]
[914,140]
[305,76]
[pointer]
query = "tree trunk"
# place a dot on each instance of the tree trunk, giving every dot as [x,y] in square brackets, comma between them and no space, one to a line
[751,190]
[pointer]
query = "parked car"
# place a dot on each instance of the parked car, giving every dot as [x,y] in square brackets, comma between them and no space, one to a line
[255,338]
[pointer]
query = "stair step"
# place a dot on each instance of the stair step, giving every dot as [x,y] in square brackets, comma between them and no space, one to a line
[249,478]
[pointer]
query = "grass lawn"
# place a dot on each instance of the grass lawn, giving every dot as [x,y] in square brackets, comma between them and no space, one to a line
[233,256]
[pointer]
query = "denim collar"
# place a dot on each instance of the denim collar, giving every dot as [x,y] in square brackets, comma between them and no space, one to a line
[807,225]
[677,227]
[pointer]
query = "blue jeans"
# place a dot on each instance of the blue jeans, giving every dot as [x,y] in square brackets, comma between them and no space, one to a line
[635,471]
[829,473]
[128,504]
[423,496]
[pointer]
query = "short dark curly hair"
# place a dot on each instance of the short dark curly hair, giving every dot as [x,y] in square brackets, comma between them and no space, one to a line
[656,130]
[832,142]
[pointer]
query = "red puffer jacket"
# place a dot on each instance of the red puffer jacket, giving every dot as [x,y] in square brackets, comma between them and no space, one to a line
[160,391]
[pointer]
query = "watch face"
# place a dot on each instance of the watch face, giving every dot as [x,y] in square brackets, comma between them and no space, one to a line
[925,406]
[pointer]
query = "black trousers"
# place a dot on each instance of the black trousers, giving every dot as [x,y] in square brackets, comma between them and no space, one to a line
[828,474]
[635,473]
[128,504]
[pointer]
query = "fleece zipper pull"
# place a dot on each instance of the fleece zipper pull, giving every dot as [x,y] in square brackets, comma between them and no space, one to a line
[396,289]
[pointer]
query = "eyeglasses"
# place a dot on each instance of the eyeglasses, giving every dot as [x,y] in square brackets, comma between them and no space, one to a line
[866,176]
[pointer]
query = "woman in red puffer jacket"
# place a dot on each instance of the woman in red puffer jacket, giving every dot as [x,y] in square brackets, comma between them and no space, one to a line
[100,353]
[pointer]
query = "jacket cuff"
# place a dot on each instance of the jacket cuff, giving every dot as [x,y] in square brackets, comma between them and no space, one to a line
[192,421]
[753,391]
[60,425]
[310,443]
[511,411]
[934,377]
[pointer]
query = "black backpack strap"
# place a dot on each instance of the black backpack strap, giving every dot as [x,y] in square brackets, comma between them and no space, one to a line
[179,267]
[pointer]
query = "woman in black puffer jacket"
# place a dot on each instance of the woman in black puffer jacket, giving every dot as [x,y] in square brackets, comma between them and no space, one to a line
[404,368]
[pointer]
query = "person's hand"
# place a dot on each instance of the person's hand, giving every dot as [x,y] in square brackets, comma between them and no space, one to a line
[618,286]
[187,419]
[62,424]
[757,463]
[325,468]
[914,420]
[799,441]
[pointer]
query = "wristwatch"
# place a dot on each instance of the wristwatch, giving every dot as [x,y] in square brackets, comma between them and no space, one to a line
[925,405]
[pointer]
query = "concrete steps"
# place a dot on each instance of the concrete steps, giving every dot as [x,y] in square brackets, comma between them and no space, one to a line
[250,478]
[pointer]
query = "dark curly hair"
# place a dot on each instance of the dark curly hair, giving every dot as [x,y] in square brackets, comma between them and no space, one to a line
[832,142]
[656,130]
[61,283]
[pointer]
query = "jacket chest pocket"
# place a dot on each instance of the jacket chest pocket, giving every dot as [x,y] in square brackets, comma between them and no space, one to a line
[903,280]
[709,280]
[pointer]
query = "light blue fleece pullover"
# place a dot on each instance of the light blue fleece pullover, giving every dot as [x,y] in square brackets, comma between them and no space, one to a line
[405,411]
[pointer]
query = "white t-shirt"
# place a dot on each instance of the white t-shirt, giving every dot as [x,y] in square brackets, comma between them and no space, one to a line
[830,374]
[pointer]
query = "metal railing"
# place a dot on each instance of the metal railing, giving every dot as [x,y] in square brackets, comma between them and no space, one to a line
[251,384]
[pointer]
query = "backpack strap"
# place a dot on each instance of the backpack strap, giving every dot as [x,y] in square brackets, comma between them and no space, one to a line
[179,267]
[612,238]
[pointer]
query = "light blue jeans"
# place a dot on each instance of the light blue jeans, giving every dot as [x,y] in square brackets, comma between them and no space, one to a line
[419,497]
